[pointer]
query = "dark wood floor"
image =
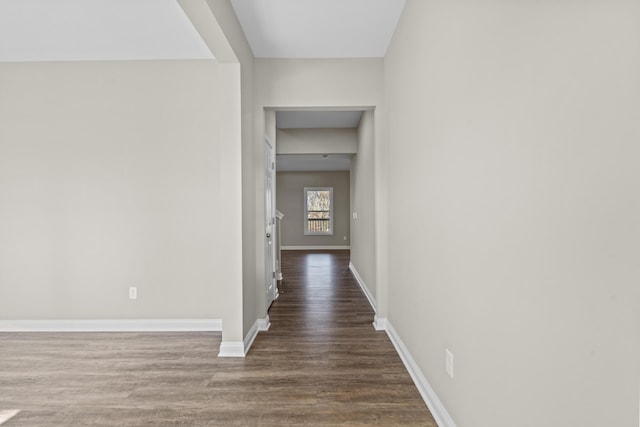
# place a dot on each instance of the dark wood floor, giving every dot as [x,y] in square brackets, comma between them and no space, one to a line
[321,363]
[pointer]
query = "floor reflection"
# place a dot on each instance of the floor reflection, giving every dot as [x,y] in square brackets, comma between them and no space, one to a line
[321,281]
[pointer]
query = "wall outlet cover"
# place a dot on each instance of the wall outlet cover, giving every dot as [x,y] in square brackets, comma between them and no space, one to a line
[448,362]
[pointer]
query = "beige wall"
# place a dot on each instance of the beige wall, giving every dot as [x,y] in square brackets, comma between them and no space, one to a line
[318,82]
[330,83]
[514,206]
[111,177]
[317,141]
[362,202]
[290,201]
[251,276]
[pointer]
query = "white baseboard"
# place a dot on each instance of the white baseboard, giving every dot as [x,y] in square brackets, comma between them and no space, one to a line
[231,349]
[439,412]
[258,326]
[240,349]
[264,324]
[314,248]
[363,286]
[251,336]
[379,323]
[112,325]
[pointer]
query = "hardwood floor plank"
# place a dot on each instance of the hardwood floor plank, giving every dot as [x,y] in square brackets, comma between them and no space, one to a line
[320,364]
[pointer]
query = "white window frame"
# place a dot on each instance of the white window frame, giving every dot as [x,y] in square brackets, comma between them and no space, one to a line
[305,219]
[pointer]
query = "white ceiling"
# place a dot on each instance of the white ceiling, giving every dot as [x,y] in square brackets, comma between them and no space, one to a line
[318,28]
[81,30]
[317,119]
[313,162]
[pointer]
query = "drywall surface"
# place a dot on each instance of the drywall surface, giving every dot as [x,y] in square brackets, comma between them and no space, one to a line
[290,201]
[317,141]
[318,82]
[331,84]
[110,177]
[362,215]
[514,206]
[236,41]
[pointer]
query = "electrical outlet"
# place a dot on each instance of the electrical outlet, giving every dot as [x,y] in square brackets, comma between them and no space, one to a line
[344,238]
[355,215]
[133,292]
[448,362]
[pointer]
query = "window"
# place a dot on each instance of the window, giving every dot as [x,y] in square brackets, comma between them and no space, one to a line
[318,210]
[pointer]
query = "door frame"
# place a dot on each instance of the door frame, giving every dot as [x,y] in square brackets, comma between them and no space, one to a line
[271,284]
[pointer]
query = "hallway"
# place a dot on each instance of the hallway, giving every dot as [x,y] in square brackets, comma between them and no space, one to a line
[321,363]
[338,369]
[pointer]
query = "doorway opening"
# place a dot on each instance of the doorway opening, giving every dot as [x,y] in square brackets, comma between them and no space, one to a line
[319,149]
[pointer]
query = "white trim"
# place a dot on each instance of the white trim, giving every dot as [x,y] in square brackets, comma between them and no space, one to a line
[306,215]
[248,340]
[439,412]
[231,349]
[112,325]
[264,324]
[311,248]
[379,323]
[240,349]
[266,137]
[363,286]
[259,325]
